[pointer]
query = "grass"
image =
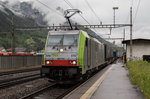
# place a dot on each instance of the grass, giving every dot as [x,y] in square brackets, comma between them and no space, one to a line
[139,74]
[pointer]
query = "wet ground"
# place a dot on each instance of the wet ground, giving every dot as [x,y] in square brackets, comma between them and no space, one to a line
[116,85]
[110,83]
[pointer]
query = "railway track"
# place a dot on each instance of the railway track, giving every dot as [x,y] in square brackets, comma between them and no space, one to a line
[69,90]
[19,80]
[19,71]
[31,95]
[10,78]
[53,91]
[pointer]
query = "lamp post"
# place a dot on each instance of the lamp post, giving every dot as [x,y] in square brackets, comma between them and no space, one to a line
[115,8]
[124,31]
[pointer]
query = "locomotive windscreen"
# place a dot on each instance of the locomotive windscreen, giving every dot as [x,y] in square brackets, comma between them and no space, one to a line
[63,40]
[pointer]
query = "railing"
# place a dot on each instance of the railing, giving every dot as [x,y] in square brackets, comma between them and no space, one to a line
[19,61]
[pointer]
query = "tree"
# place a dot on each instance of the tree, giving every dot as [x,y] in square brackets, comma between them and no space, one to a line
[29,43]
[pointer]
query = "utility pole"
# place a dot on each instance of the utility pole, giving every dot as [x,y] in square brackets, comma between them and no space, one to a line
[124,31]
[13,36]
[131,33]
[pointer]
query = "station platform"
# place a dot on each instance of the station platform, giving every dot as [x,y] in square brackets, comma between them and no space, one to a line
[110,83]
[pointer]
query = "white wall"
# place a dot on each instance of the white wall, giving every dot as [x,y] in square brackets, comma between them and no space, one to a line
[140,48]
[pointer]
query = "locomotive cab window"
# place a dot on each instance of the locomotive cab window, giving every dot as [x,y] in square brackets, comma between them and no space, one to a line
[63,40]
[70,40]
[54,40]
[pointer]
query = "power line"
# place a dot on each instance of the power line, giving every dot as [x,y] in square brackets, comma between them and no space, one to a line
[137,10]
[92,10]
[131,4]
[69,4]
[93,13]
[49,7]
[79,13]
[84,19]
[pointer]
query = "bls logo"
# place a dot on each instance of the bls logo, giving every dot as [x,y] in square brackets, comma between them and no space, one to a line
[47,56]
[73,55]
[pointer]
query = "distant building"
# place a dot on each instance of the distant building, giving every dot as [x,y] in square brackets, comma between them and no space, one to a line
[2,49]
[140,49]
[18,49]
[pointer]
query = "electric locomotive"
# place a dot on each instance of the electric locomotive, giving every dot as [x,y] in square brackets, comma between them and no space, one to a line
[71,55]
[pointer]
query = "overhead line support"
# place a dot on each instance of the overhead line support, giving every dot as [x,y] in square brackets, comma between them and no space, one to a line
[13,36]
[73,26]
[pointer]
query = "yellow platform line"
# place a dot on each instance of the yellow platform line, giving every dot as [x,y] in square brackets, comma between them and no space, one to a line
[88,94]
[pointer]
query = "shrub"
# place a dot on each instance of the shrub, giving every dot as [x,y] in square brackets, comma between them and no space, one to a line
[139,74]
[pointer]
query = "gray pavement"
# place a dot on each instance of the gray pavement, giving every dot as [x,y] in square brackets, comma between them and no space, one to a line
[116,85]
[78,92]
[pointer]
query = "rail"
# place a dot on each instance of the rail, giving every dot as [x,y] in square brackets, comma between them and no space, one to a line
[37,92]
[11,82]
[19,71]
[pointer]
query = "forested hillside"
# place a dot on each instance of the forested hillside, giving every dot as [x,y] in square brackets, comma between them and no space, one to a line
[32,40]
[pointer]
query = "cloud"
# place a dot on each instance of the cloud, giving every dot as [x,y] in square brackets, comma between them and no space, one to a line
[103,9]
[53,16]
[12,2]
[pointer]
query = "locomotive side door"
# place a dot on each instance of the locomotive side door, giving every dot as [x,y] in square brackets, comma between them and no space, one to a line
[89,52]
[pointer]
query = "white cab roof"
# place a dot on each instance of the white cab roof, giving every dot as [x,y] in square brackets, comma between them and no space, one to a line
[63,32]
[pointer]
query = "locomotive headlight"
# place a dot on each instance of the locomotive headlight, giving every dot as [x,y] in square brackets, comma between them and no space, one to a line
[61,50]
[47,62]
[74,62]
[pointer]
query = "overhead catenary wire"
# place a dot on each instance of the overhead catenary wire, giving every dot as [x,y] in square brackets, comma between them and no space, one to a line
[68,3]
[137,10]
[79,13]
[84,19]
[131,5]
[94,14]
[93,10]
[49,7]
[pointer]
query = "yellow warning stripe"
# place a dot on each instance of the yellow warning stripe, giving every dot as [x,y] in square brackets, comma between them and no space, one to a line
[92,89]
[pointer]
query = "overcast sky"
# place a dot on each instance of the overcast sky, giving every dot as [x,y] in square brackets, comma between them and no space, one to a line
[104,12]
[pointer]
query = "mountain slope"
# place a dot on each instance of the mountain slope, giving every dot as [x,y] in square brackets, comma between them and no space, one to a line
[21,19]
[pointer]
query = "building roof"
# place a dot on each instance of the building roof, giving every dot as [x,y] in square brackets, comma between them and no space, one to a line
[18,49]
[139,39]
[1,48]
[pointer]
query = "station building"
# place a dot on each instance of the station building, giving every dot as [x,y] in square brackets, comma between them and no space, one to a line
[140,49]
